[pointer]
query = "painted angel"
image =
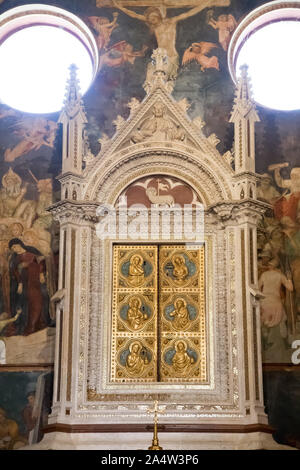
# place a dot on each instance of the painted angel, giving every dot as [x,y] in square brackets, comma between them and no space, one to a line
[104,28]
[197,52]
[34,133]
[226,24]
[120,53]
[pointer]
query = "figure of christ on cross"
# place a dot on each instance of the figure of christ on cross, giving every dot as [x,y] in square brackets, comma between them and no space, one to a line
[164,28]
[156,411]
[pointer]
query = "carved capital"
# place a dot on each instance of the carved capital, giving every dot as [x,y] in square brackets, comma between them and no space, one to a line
[75,212]
[248,210]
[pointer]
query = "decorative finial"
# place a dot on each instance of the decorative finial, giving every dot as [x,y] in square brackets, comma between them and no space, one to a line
[73,101]
[243,101]
[157,72]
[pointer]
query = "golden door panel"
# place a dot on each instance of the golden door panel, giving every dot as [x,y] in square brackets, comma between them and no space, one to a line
[182,314]
[181,359]
[168,327]
[179,268]
[134,314]
[137,267]
[136,360]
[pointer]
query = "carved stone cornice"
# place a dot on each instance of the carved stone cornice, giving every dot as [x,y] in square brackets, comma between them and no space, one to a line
[247,210]
[75,212]
[250,175]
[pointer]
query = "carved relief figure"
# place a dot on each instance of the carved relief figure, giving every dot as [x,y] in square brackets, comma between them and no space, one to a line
[104,28]
[136,272]
[225,24]
[181,360]
[197,52]
[136,318]
[160,191]
[165,28]
[158,127]
[135,363]
[180,314]
[159,199]
[180,270]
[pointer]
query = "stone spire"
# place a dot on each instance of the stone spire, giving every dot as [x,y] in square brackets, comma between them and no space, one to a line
[157,73]
[73,119]
[244,116]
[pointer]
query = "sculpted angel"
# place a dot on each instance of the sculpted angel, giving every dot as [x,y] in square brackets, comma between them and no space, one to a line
[197,52]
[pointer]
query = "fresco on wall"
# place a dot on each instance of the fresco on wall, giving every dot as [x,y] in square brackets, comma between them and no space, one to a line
[279,262]
[196,36]
[126,32]
[25,401]
[28,241]
[282,402]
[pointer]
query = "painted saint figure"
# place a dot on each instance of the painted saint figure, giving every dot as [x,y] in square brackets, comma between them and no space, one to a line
[28,289]
[266,191]
[181,360]
[12,203]
[9,432]
[180,314]
[28,414]
[135,363]
[136,318]
[136,272]
[270,283]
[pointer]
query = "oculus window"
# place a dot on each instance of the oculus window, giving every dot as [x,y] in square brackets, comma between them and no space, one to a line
[38,43]
[267,41]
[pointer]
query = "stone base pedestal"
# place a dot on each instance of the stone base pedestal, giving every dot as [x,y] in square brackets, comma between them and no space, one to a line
[168,441]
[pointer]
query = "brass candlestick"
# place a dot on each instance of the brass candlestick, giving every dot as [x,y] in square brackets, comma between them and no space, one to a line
[155,442]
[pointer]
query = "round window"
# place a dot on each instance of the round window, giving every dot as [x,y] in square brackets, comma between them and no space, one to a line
[38,43]
[267,40]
